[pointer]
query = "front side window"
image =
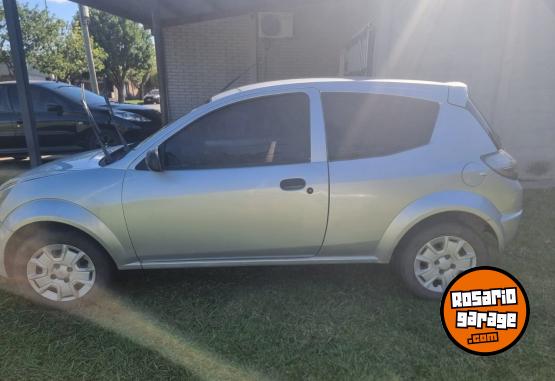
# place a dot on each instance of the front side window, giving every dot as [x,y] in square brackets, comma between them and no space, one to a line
[360,125]
[269,130]
[40,97]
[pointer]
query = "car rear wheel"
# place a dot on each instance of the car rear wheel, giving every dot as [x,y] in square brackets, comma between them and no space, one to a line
[62,269]
[432,256]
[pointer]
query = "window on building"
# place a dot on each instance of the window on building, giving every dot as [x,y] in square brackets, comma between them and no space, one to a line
[370,125]
[263,131]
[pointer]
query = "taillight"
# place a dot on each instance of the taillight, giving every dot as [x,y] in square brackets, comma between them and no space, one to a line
[502,163]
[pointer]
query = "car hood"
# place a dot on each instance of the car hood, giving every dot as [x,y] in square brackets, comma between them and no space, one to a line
[147,112]
[80,161]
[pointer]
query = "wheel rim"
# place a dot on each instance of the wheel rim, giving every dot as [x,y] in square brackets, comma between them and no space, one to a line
[61,273]
[442,259]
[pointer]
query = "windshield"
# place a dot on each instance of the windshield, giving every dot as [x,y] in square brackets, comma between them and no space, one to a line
[74,93]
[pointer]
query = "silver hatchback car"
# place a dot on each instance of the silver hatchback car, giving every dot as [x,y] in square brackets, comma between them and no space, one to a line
[312,171]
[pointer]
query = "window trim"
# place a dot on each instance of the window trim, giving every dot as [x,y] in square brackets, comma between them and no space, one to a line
[230,103]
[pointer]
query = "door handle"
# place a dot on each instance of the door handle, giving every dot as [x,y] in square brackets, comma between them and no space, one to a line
[292,184]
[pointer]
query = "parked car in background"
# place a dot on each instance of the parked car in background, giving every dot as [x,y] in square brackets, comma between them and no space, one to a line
[284,173]
[62,124]
[153,96]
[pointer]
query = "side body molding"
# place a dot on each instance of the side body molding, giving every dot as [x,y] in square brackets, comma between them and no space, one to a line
[65,212]
[433,204]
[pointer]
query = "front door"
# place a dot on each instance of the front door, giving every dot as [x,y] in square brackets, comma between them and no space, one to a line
[8,124]
[56,123]
[237,183]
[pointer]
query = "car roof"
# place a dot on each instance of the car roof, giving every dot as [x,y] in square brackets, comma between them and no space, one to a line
[454,92]
[42,83]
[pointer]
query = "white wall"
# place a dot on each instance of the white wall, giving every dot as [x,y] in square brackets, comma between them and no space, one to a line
[503,49]
[202,57]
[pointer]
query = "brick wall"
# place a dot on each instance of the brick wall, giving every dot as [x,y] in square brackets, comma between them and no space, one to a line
[202,57]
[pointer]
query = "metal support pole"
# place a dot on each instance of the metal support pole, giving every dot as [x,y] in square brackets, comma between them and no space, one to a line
[160,61]
[84,19]
[22,81]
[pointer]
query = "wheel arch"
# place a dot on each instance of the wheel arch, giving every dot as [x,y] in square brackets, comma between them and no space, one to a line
[34,228]
[60,214]
[472,209]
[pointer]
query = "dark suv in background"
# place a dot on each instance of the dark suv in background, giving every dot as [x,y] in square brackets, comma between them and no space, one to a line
[62,124]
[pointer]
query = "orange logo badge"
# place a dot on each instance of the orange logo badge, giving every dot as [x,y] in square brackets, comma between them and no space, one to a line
[485,310]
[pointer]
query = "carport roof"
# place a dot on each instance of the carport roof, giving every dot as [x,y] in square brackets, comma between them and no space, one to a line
[174,12]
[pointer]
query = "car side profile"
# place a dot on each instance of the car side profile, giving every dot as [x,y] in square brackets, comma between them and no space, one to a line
[153,96]
[297,172]
[62,125]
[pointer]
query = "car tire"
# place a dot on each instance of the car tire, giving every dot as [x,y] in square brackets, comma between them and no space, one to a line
[62,269]
[431,256]
[108,136]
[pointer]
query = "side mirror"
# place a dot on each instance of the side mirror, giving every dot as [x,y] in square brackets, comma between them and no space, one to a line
[53,107]
[153,161]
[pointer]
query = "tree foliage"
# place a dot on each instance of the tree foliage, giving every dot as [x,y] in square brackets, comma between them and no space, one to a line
[41,33]
[69,61]
[128,45]
[51,46]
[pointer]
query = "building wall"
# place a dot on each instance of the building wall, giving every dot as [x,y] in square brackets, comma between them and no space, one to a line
[501,48]
[202,57]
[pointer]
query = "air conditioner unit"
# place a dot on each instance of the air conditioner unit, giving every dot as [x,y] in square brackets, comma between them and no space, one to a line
[275,25]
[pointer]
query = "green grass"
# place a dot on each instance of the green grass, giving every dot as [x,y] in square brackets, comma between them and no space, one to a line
[134,101]
[309,323]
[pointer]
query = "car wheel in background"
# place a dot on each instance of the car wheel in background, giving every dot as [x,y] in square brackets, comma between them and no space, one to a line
[432,256]
[62,269]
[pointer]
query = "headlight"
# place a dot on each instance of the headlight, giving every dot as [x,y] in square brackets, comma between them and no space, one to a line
[131,116]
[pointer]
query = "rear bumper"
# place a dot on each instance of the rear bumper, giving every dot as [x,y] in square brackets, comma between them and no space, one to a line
[510,223]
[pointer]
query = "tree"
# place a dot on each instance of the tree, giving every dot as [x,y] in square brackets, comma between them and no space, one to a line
[68,62]
[144,75]
[128,46]
[42,34]
[51,46]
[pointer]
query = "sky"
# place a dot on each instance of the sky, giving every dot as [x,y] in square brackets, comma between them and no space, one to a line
[63,9]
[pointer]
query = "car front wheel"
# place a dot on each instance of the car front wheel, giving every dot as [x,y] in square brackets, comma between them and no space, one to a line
[432,256]
[62,269]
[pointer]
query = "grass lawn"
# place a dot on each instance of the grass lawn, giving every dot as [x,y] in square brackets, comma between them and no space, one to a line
[134,101]
[309,323]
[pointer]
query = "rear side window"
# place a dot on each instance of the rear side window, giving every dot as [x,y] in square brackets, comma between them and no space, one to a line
[370,125]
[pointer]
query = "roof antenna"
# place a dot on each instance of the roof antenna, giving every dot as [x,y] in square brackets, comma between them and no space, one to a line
[112,119]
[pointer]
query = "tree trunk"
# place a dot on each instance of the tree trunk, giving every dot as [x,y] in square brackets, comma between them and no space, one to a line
[121,91]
